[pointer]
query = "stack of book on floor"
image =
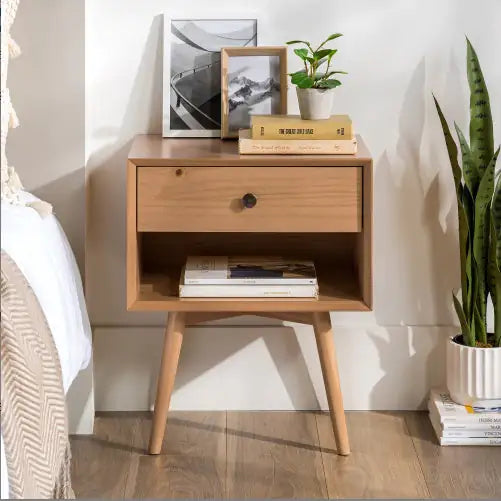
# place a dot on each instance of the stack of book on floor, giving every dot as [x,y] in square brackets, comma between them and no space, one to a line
[226,276]
[456,424]
[290,135]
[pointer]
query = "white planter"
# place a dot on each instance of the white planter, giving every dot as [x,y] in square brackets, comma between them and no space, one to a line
[474,374]
[315,104]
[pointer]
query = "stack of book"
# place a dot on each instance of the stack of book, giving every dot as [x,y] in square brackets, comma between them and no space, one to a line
[456,424]
[290,135]
[223,276]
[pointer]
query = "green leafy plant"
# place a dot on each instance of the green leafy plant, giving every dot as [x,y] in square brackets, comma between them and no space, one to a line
[478,193]
[310,77]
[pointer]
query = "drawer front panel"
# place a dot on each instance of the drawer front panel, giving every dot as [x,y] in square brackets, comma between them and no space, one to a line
[288,199]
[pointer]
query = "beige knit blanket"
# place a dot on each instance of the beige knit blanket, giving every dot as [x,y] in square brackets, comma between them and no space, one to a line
[34,421]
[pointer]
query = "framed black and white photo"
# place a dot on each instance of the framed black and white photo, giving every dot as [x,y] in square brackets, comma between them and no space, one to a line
[254,82]
[192,72]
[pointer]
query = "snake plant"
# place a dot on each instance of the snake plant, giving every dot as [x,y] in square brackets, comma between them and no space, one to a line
[478,193]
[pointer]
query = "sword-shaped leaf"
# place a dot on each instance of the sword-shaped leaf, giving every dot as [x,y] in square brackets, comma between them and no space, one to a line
[465,329]
[481,234]
[452,151]
[494,279]
[452,148]
[480,328]
[496,217]
[481,134]
[470,172]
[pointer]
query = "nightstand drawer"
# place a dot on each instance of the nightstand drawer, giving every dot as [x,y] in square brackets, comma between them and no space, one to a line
[249,199]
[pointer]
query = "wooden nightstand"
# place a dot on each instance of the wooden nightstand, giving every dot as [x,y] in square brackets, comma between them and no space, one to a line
[184,197]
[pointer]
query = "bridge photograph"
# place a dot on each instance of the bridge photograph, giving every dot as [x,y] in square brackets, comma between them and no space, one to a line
[194,86]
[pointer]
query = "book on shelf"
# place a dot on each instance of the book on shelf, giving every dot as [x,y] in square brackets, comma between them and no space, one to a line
[292,127]
[246,277]
[249,146]
[456,424]
[260,291]
[242,270]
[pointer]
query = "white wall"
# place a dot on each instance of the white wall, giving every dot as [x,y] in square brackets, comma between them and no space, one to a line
[396,54]
[47,85]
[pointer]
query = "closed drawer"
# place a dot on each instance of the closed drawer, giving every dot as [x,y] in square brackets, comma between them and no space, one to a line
[289,199]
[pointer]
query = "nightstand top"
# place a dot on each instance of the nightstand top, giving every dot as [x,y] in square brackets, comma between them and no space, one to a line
[153,149]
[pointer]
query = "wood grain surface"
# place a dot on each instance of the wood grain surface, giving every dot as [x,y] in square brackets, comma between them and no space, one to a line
[455,472]
[209,199]
[274,454]
[394,455]
[382,464]
[152,150]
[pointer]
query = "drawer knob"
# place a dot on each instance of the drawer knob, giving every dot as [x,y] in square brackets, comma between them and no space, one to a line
[249,200]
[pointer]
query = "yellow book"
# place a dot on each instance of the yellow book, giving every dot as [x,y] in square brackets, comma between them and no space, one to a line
[249,146]
[289,127]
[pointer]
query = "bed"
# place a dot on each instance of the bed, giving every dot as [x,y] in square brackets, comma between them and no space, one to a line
[41,251]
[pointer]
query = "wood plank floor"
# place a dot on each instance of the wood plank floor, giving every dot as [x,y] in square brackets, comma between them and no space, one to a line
[279,455]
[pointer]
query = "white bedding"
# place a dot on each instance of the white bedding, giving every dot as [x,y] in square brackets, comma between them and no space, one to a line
[42,252]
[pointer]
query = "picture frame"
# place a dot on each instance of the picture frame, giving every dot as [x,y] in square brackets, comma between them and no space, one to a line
[191,71]
[253,80]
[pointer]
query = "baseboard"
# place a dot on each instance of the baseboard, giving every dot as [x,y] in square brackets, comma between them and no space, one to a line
[269,367]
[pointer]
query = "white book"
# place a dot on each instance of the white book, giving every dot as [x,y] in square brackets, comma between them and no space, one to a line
[450,412]
[278,291]
[447,440]
[468,432]
[241,270]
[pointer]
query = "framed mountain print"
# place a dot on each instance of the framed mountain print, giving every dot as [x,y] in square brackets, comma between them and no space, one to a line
[192,72]
[254,81]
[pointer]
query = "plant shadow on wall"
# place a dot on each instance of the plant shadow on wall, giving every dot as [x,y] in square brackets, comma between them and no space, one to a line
[106,249]
[414,253]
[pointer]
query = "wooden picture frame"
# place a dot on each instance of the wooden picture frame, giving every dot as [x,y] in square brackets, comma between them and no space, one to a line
[275,105]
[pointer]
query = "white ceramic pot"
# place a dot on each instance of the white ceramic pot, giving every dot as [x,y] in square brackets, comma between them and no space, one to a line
[474,374]
[315,104]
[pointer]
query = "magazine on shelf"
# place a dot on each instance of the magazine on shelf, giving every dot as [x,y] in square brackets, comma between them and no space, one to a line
[229,270]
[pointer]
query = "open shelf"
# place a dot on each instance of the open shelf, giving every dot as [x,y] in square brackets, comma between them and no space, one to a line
[162,255]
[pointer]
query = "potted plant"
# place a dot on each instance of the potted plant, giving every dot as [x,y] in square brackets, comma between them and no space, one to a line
[314,86]
[474,356]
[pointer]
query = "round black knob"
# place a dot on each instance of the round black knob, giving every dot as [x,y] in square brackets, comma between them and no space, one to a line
[249,200]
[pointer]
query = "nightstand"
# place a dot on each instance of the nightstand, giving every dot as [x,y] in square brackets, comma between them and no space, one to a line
[188,197]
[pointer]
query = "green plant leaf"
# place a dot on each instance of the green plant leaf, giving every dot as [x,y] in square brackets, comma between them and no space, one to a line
[452,148]
[465,329]
[480,327]
[330,73]
[481,133]
[452,151]
[320,54]
[332,37]
[328,84]
[496,218]
[302,80]
[481,235]
[470,171]
[302,53]
[494,280]
[329,38]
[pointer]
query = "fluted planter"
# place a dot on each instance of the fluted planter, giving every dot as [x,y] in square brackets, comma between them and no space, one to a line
[473,374]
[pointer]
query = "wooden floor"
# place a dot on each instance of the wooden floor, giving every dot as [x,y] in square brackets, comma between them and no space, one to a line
[279,455]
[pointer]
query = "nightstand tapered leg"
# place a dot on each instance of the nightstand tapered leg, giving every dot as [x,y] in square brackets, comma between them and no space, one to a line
[327,354]
[168,368]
